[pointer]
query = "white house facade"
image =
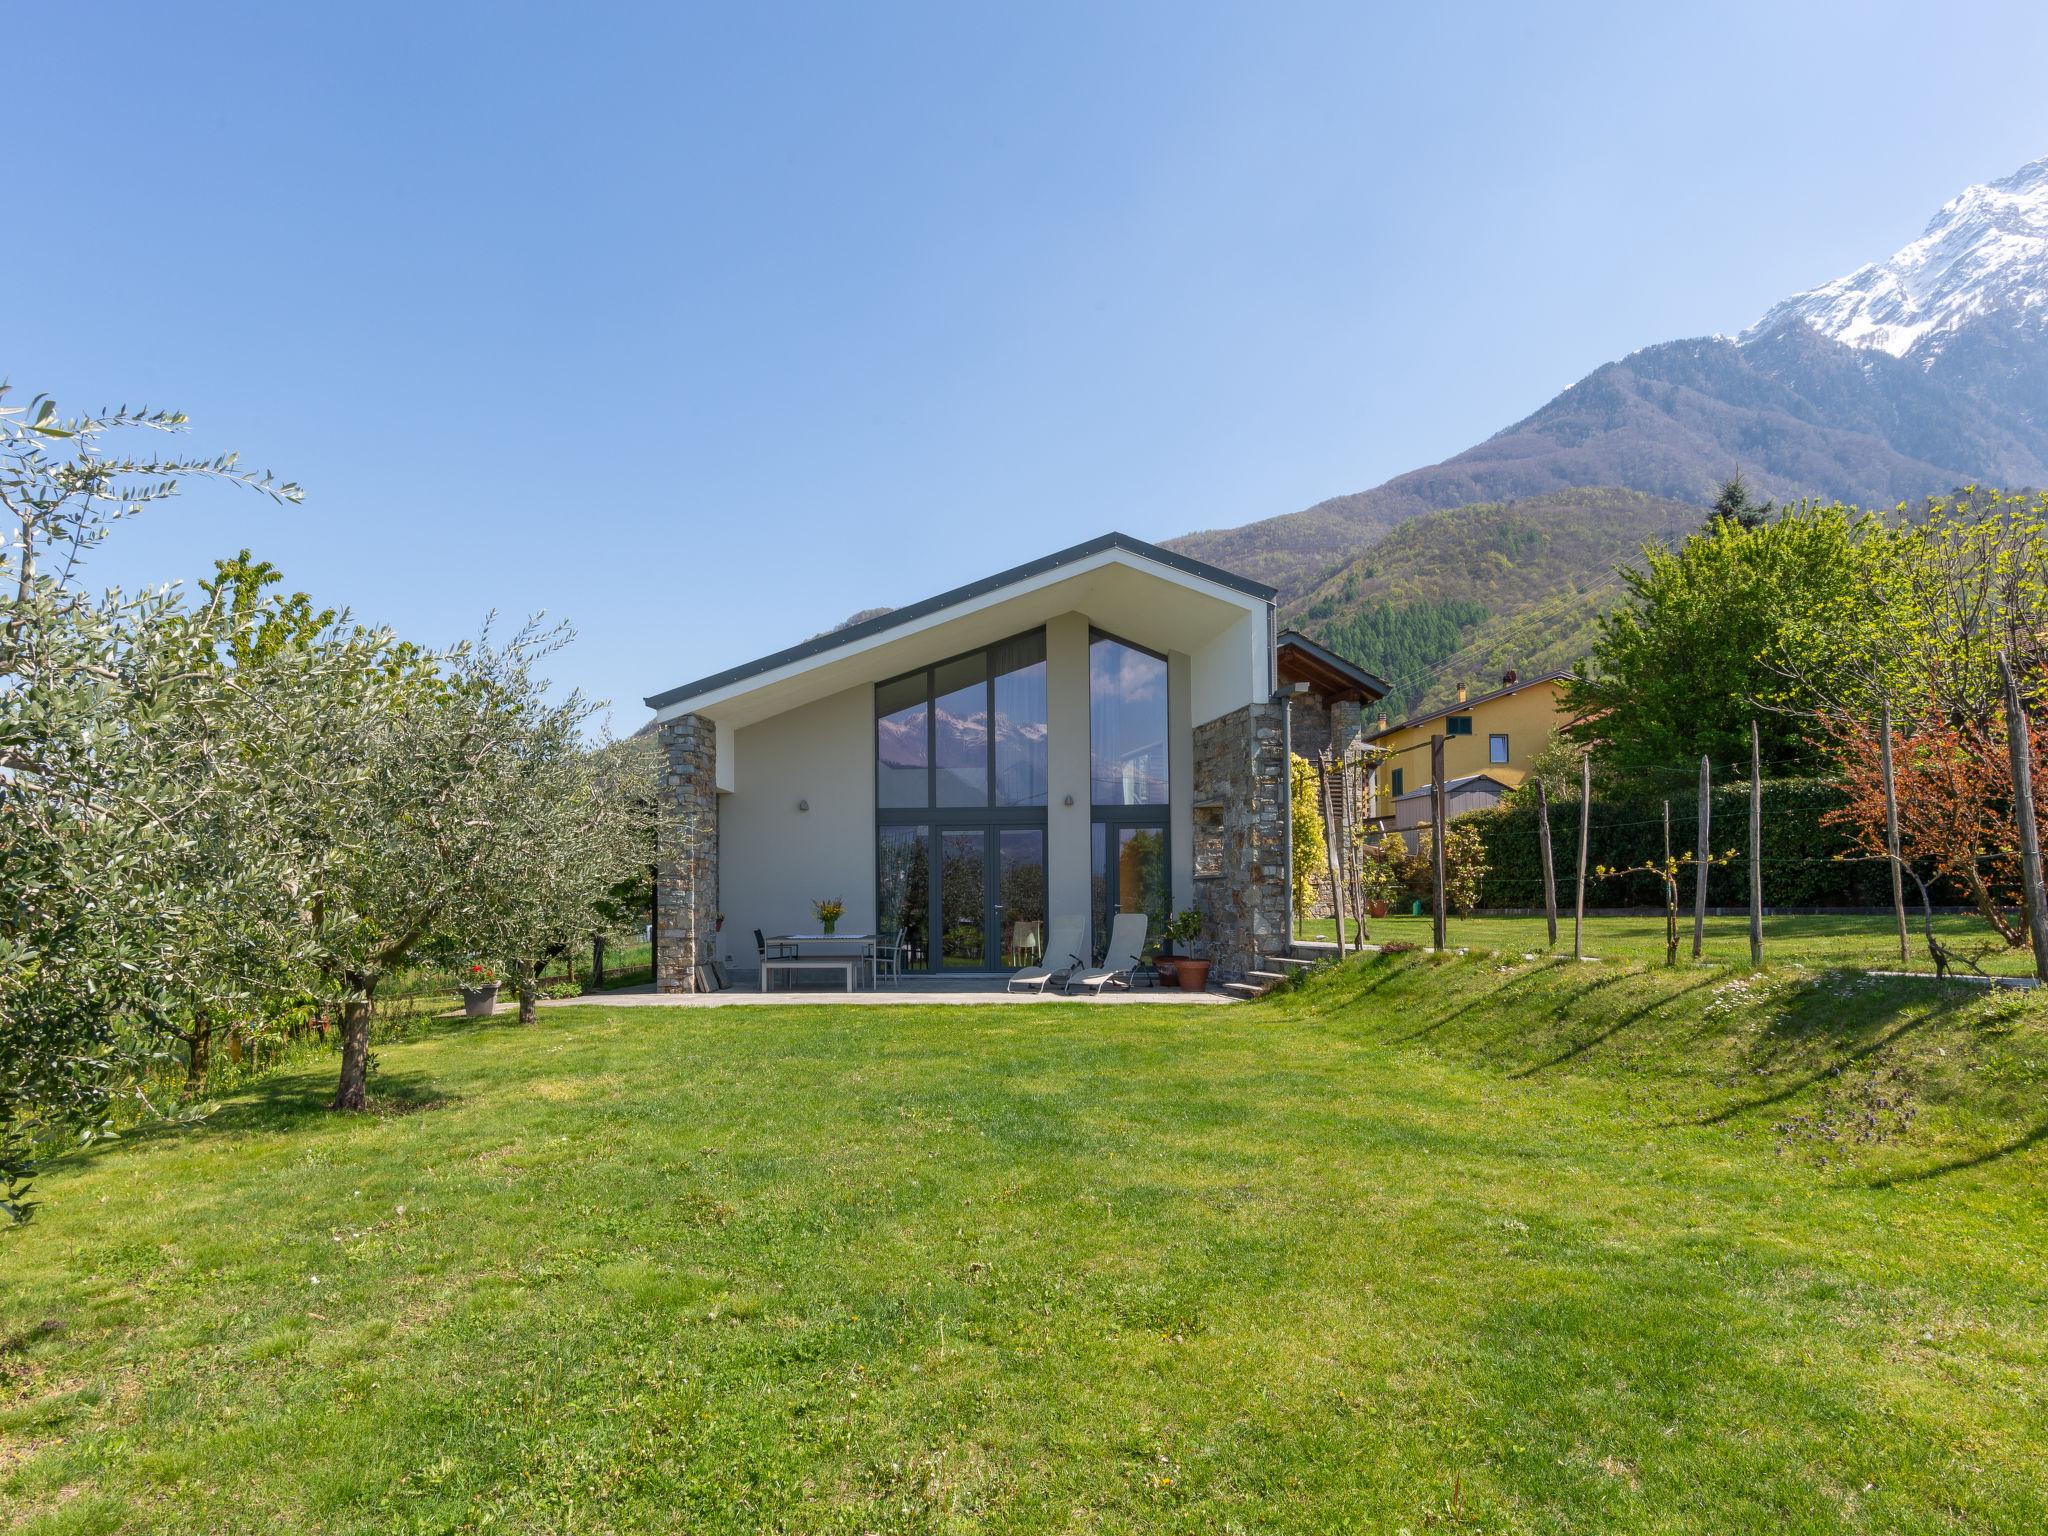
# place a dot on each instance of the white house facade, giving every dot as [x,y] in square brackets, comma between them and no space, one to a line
[1092,732]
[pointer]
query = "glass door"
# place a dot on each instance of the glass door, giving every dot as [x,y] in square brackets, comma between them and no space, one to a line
[1020,897]
[963,900]
[1130,875]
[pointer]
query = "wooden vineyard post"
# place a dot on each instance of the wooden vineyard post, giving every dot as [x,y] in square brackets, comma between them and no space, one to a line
[1756,847]
[1549,872]
[1706,858]
[1670,895]
[1585,834]
[1330,839]
[2020,742]
[1891,825]
[1439,827]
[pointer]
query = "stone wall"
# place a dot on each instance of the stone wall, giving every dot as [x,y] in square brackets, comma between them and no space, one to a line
[1241,830]
[1318,723]
[686,879]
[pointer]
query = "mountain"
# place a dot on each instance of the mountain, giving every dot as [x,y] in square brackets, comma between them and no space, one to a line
[1904,379]
[1463,595]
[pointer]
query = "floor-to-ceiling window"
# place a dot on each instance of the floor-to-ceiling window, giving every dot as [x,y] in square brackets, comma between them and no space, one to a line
[960,794]
[1127,755]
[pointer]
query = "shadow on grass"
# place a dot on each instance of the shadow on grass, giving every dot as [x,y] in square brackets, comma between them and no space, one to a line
[2018,1144]
[1624,1021]
[1818,1016]
[1494,994]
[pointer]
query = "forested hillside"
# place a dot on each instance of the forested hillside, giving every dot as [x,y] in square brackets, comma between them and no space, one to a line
[1471,592]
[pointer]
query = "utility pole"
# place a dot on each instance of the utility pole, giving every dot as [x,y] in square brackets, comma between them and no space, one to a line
[2020,741]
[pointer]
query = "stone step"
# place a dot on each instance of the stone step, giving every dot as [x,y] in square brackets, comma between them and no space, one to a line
[1243,989]
[1267,979]
[1287,962]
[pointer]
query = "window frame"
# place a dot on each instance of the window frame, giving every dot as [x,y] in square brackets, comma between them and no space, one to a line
[1500,739]
[1161,807]
[1457,725]
[931,812]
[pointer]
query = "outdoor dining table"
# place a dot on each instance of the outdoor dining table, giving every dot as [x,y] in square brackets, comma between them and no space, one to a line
[863,960]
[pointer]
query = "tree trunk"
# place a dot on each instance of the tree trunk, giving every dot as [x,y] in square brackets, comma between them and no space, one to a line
[198,1054]
[353,1092]
[527,992]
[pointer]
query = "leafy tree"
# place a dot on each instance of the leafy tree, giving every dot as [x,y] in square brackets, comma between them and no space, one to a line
[1555,766]
[1930,606]
[402,827]
[578,826]
[102,776]
[1689,658]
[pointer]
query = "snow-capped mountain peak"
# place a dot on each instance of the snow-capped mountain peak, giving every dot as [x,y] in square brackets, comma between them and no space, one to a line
[1984,255]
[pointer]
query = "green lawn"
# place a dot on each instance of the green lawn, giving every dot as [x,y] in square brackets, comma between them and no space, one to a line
[1431,1244]
[1860,940]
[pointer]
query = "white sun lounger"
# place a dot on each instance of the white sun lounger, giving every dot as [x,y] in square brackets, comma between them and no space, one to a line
[1119,956]
[1067,953]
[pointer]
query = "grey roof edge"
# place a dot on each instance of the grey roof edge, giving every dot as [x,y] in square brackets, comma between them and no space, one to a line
[1478,698]
[895,617]
[1330,658]
[1456,784]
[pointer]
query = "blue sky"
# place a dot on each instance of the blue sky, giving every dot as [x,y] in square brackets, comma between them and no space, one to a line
[702,328]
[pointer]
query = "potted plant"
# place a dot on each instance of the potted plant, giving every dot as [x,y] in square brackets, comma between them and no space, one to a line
[829,911]
[479,989]
[1379,877]
[1185,928]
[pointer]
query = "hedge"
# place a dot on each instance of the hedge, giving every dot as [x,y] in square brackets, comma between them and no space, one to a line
[1800,866]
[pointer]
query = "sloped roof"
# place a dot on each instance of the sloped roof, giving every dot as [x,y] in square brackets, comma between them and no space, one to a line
[1455,708]
[1324,670]
[825,644]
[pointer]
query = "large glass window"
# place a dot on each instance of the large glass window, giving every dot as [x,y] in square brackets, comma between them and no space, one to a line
[1020,711]
[902,743]
[960,730]
[1126,723]
[967,733]
[960,793]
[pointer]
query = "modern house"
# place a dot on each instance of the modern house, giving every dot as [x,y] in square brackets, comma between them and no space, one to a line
[1489,742]
[1092,732]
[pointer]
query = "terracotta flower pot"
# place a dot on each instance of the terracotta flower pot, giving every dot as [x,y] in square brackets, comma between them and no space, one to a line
[1377,908]
[1168,969]
[479,1002]
[1193,974]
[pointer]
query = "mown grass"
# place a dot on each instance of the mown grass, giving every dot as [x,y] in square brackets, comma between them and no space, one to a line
[1432,1243]
[1858,940]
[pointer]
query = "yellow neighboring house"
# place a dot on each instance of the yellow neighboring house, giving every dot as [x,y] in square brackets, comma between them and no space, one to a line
[1489,742]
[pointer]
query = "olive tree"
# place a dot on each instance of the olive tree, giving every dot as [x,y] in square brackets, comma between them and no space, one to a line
[581,826]
[100,772]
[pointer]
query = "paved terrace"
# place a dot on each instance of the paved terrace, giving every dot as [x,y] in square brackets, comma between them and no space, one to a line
[920,991]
